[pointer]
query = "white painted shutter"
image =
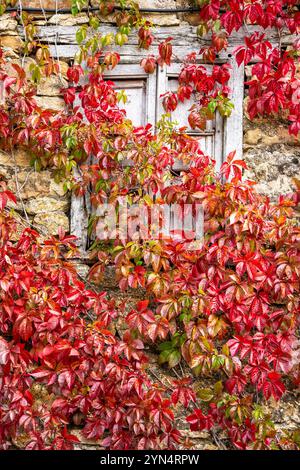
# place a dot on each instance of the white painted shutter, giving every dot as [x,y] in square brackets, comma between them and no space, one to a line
[140,90]
[145,106]
[221,135]
[211,138]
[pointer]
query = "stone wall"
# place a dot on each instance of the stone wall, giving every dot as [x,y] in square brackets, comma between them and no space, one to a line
[273,156]
[41,200]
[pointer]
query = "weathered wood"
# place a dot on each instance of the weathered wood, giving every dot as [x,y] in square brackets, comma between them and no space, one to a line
[79,220]
[233,130]
[130,53]
[185,40]
[220,138]
[168,81]
[145,105]
[131,77]
[183,34]
[79,214]
[222,135]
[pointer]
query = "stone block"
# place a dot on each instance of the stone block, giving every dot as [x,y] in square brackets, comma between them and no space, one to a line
[51,86]
[192,18]
[161,4]
[21,224]
[49,223]
[56,189]
[69,20]
[273,168]
[46,205]
[31,184]
[8,24]
[47,3]
[20,158]
[11,43]
[63,67]
[253,136]
[50,102]
[162,19]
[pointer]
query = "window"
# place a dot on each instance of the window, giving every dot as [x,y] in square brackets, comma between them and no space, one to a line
[144,105]
[140,89]
[210,141]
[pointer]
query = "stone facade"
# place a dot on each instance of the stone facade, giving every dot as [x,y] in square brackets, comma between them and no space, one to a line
[273,156]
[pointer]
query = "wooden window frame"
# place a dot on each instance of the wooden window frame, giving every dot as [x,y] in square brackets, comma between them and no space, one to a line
[224,127]
[228,131]
[134,71]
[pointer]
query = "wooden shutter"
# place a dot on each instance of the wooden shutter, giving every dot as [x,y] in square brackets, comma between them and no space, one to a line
[210,144]
[217,140]
[140,90]
[144,105]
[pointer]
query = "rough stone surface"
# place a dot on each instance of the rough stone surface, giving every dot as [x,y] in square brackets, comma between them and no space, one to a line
[51,86]
[157,18]
[7,24]
[44,205]
[56,188]
[273,168]
[192,18]
[11,43]
[20,158]
[50,102]
[68,20]
[253,136]
[161,4]
[47,3]
[268,133]
[272,155]
[162,19]
[31,184]
[49,223]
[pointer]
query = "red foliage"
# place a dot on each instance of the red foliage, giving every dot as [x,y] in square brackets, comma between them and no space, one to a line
[165,50]
[269,91]
[227,307]
[60,364]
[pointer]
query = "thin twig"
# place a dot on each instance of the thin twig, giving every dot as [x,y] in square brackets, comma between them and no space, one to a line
[55,41]
[159,379]
[25,34]
[26,179]
[18,187]
[218,441]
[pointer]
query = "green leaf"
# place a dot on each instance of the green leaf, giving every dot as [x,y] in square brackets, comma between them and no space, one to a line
[205,394]
[202,30]
[94,22]
[81,34]
[212,105]
[174,358]
[217,362]
[122,96]
[218,388]
[164,356]
[107,39]
[166,346]
[225,107]
[35,72]
[217,26]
